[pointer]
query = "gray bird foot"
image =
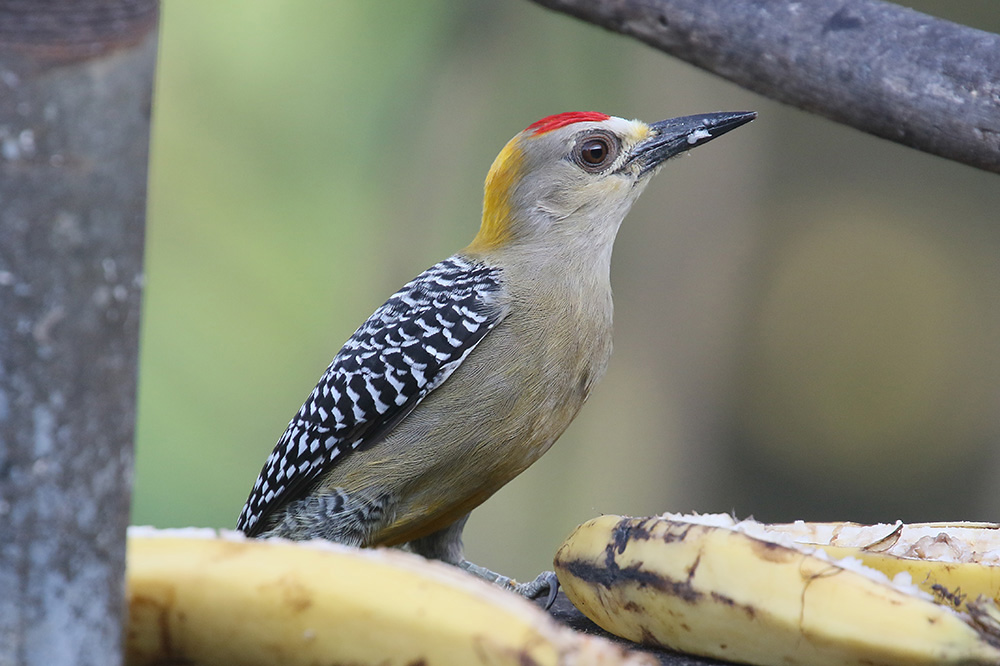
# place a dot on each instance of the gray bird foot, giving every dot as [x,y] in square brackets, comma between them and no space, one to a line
[545,583]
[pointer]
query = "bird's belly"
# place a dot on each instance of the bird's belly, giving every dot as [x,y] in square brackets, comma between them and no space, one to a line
[443,490]
[468,438]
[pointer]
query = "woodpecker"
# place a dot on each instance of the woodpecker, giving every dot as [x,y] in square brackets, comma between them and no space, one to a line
[471,371]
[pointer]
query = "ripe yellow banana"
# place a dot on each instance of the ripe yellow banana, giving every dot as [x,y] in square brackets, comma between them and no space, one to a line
[955,562]
[198,597]
[702,584]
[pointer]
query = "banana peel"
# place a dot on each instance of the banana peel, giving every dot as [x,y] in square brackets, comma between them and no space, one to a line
[207,597]
[711,586]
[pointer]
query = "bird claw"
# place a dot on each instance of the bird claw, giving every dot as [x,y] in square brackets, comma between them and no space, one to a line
[545,584]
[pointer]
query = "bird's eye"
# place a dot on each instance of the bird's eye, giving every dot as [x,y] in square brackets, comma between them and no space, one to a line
[594,152]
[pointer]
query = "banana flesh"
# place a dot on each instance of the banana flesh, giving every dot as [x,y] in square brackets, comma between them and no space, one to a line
[704,585]
[199,597]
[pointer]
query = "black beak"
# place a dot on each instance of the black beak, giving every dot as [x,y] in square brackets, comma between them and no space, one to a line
[677,135]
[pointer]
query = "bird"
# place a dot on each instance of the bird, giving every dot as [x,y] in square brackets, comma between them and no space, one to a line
[471,371]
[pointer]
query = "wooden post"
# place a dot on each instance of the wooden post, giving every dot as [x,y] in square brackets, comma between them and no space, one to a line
[75,98]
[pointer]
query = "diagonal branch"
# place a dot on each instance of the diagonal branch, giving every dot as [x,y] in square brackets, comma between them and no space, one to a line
[893,72]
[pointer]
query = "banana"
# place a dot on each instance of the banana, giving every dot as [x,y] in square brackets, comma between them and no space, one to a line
[955,562]
[701,584]
[201,597]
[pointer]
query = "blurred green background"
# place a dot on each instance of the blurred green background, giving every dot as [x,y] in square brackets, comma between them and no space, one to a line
[807,317]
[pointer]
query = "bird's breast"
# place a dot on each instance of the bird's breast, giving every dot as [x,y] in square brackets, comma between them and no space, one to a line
[503,407]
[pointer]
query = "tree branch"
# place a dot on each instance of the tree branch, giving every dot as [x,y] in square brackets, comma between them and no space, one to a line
[893,72]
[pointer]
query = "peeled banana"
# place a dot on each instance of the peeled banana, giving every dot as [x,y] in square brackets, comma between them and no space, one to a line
[712,586]
[200,597]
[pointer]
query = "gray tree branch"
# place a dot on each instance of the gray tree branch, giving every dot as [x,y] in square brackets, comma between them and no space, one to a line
[890,71]
[75,93]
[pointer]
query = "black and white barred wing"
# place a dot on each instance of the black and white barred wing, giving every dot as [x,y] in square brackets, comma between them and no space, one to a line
[406,349]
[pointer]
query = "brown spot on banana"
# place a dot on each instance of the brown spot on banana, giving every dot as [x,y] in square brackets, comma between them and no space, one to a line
[159,607]
[986,616]
[608,576]
[727,601]
[773,552]
[294,595]
[647,637]
[625,531]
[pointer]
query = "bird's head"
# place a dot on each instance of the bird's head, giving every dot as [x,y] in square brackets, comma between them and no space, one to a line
[568,180]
